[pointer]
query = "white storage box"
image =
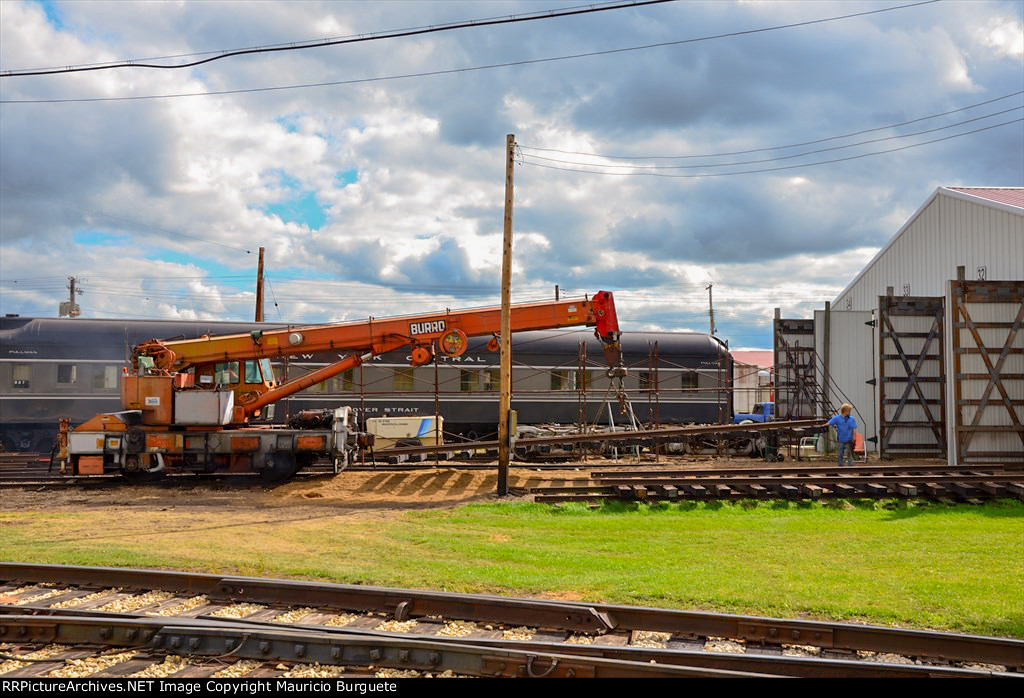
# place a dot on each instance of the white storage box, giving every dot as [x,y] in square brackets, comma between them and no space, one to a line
[203,407]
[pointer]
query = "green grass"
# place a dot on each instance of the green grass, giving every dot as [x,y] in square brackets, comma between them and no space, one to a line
[914,564]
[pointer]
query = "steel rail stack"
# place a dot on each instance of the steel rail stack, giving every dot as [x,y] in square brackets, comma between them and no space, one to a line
[203,625]
[970,483]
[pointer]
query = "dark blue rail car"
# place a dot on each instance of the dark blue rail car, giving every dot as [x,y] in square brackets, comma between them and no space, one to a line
[52,368]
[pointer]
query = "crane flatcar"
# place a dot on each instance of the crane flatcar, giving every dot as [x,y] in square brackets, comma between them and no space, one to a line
[63,367]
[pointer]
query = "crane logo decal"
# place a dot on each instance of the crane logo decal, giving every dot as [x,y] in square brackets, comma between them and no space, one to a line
[433,327]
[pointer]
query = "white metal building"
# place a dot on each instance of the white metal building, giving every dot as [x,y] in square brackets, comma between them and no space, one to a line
[980,228]
[940,367]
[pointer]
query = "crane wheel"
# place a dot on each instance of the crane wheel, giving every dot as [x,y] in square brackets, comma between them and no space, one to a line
[279,467]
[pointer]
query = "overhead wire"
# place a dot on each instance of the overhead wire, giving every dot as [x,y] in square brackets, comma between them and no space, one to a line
[452,71]
[774,147]
[771,169]
[336,41]
[782,157]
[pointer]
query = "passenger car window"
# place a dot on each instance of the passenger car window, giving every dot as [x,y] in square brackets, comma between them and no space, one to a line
[492,379]
[469,380]
[21,375]
[67,374]
[560,380]
[404,379]
[105,377]
[689,379]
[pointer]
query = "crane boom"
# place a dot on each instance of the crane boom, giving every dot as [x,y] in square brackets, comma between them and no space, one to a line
[381,335]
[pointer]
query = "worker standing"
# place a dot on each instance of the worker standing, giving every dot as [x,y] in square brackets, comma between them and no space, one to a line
[846,431]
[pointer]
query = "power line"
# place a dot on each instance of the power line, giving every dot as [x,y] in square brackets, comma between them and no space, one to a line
[776,147]
[771,169]
[452,71]
[784,157]
[355,39]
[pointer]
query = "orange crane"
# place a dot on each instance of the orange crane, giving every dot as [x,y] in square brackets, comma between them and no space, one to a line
[187,404]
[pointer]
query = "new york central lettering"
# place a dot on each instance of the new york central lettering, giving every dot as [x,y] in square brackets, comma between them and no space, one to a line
[430,327]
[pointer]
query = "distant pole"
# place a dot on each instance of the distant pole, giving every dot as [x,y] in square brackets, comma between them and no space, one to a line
[711,310]
[259,289]
[505,378]
[70,308]
[556,292]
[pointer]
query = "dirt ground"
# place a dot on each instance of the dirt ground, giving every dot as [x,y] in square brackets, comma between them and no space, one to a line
[354,491]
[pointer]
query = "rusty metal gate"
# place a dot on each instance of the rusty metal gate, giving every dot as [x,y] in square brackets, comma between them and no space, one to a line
[988,369]
[796,385]
[911,376]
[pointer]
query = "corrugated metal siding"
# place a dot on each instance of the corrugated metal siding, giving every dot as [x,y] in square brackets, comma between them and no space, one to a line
[852,362]
[949,232]
[746,391]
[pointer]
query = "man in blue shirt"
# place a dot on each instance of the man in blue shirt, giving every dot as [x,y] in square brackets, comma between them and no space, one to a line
[846,427]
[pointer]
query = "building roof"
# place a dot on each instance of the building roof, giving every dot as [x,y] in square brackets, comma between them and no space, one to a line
[997,197]
[1014,196]
[761,359]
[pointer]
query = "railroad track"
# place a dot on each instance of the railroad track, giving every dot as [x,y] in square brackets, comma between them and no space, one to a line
[22,470]
[91,621]
[968,483]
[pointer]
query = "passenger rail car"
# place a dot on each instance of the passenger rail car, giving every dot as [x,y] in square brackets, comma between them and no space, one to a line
[52,368]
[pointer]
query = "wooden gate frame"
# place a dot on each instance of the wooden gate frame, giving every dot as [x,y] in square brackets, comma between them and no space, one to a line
[795,370]
[911,306]
[963,292]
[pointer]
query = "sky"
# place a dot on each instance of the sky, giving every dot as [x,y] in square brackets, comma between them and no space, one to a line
[386,197]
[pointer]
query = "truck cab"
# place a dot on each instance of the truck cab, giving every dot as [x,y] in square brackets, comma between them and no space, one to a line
[763,412]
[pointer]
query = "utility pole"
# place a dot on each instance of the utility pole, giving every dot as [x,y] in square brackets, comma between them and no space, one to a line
[711,310]
[69,308]
[505,374]
[556,292]
[259,289]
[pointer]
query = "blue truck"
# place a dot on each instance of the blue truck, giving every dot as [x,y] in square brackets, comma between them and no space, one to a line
[763,412]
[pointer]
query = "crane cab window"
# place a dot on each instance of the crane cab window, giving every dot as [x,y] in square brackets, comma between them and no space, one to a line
[267,369]
[226,373]
[21,376]
[252,372]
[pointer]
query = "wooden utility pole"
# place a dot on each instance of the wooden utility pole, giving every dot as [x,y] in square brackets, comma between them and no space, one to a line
[259,289]
[505,378]
[711,310]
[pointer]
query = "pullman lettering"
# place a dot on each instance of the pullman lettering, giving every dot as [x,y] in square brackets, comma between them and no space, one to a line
[416,328]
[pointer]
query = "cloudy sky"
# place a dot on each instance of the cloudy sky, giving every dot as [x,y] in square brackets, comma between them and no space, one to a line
[385,196]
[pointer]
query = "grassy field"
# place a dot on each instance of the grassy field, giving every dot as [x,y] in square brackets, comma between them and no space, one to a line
[918,564]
